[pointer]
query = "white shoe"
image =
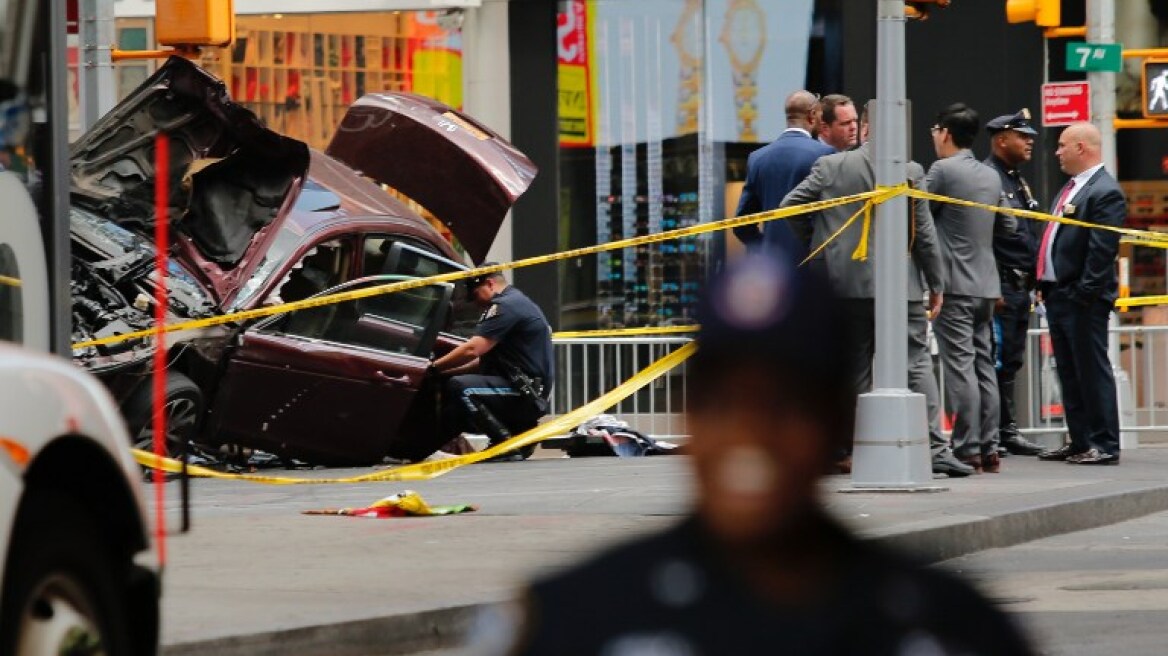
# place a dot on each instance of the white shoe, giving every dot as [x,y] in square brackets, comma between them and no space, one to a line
[438,456]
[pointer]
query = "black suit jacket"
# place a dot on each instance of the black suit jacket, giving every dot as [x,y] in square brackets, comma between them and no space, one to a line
[1084,258]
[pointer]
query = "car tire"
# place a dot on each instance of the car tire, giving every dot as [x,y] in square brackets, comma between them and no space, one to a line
[184,409]
[62,582]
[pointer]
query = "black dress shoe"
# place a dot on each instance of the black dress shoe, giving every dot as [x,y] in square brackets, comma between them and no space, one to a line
[1021,446]
[1002,451]
[1061,453]
[1093,457]
[946,464]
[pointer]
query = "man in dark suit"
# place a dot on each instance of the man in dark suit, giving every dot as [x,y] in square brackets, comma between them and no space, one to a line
[1076,274]
[773,170]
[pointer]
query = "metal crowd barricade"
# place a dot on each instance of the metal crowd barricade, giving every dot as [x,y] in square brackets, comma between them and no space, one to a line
[1137,356]
[587,367]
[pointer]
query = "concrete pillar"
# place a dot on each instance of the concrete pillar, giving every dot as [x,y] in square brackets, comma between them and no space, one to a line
[95,70]
[487,86]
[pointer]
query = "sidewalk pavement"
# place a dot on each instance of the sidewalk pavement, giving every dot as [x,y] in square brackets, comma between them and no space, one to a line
[257,577]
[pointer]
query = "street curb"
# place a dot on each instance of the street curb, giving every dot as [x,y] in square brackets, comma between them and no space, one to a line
[393,635]
[1035,523]
[443,628]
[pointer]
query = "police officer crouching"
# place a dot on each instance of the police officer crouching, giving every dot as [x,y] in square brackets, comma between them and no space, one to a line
[1012,140]
[501,377]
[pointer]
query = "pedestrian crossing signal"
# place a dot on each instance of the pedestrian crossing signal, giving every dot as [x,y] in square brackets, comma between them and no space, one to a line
[1155,94]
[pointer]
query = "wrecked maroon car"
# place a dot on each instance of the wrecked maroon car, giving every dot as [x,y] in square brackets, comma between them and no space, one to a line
[259,219]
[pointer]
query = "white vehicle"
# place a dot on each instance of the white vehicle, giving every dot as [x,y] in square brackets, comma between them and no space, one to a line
[72,521]
[75,558]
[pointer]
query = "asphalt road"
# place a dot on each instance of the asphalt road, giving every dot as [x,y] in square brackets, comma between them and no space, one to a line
[1103,591]
[1095,592]
[255,568]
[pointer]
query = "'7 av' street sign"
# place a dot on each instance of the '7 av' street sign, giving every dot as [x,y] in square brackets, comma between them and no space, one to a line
[1096,57]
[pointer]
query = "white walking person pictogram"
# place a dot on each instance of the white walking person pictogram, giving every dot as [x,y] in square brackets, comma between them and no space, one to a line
[1159,89]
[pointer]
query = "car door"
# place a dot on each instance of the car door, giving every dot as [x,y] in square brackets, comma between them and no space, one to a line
[400,258]
[331,384]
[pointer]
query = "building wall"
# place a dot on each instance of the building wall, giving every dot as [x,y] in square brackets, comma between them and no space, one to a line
[965,53]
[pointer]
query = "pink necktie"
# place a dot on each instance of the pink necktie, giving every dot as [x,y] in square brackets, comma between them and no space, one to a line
[1049,231]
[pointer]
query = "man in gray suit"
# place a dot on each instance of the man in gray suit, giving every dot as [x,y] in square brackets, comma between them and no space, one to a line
[964,326]
[852,172]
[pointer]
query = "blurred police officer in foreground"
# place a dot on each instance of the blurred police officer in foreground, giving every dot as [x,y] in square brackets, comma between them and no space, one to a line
[501,377]
[1011,142]
[759,566]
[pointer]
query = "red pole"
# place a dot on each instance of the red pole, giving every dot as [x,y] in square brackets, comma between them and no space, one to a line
[161,244]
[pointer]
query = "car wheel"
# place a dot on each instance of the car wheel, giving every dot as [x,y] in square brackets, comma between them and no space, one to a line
[183,409]
[62,595]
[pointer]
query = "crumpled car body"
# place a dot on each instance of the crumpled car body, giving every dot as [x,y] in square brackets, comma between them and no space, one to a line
[258,219]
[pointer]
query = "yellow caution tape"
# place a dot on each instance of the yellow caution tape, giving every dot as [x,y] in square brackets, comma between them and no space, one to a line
[835,235]
[627,332]
[1132,236]
[427,470]
[10,281]
[1140,301]
[879,195]
[1140,237]
[688,231]
[861,252]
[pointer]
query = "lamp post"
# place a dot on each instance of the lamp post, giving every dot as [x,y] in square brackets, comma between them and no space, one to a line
[891,445]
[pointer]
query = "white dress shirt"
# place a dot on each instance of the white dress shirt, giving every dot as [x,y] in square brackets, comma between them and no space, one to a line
[1080,182]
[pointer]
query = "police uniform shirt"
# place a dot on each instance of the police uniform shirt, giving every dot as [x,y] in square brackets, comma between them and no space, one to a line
[1019,249]
[521,334]
[674,593]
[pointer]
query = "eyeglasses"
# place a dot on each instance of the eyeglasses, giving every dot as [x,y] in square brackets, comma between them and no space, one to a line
[935,129]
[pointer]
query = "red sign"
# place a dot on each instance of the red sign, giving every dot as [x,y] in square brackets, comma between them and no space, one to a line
[575,74]
[1064,103]
[572,33]
[71,22]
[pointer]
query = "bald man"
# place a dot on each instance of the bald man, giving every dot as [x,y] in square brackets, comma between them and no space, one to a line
[1076,277]
[773,171]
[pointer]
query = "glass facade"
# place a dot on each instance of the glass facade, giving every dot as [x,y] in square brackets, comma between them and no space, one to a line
[660,101]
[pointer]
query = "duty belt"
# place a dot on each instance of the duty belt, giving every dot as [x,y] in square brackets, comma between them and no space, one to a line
[1016,278]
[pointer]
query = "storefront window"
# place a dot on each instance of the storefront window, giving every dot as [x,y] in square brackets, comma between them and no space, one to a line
[655,97]
[300,71]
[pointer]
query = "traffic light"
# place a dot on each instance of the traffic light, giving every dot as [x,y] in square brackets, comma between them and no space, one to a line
[194,22]
[1044,13]
[920,10]
[1155,83]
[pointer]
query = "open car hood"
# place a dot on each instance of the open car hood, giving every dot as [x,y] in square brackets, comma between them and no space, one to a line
[459,170]
[229,176]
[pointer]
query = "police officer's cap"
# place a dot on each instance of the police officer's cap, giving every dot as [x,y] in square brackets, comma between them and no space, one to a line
[475,281]
[765,309]
[1019,122]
